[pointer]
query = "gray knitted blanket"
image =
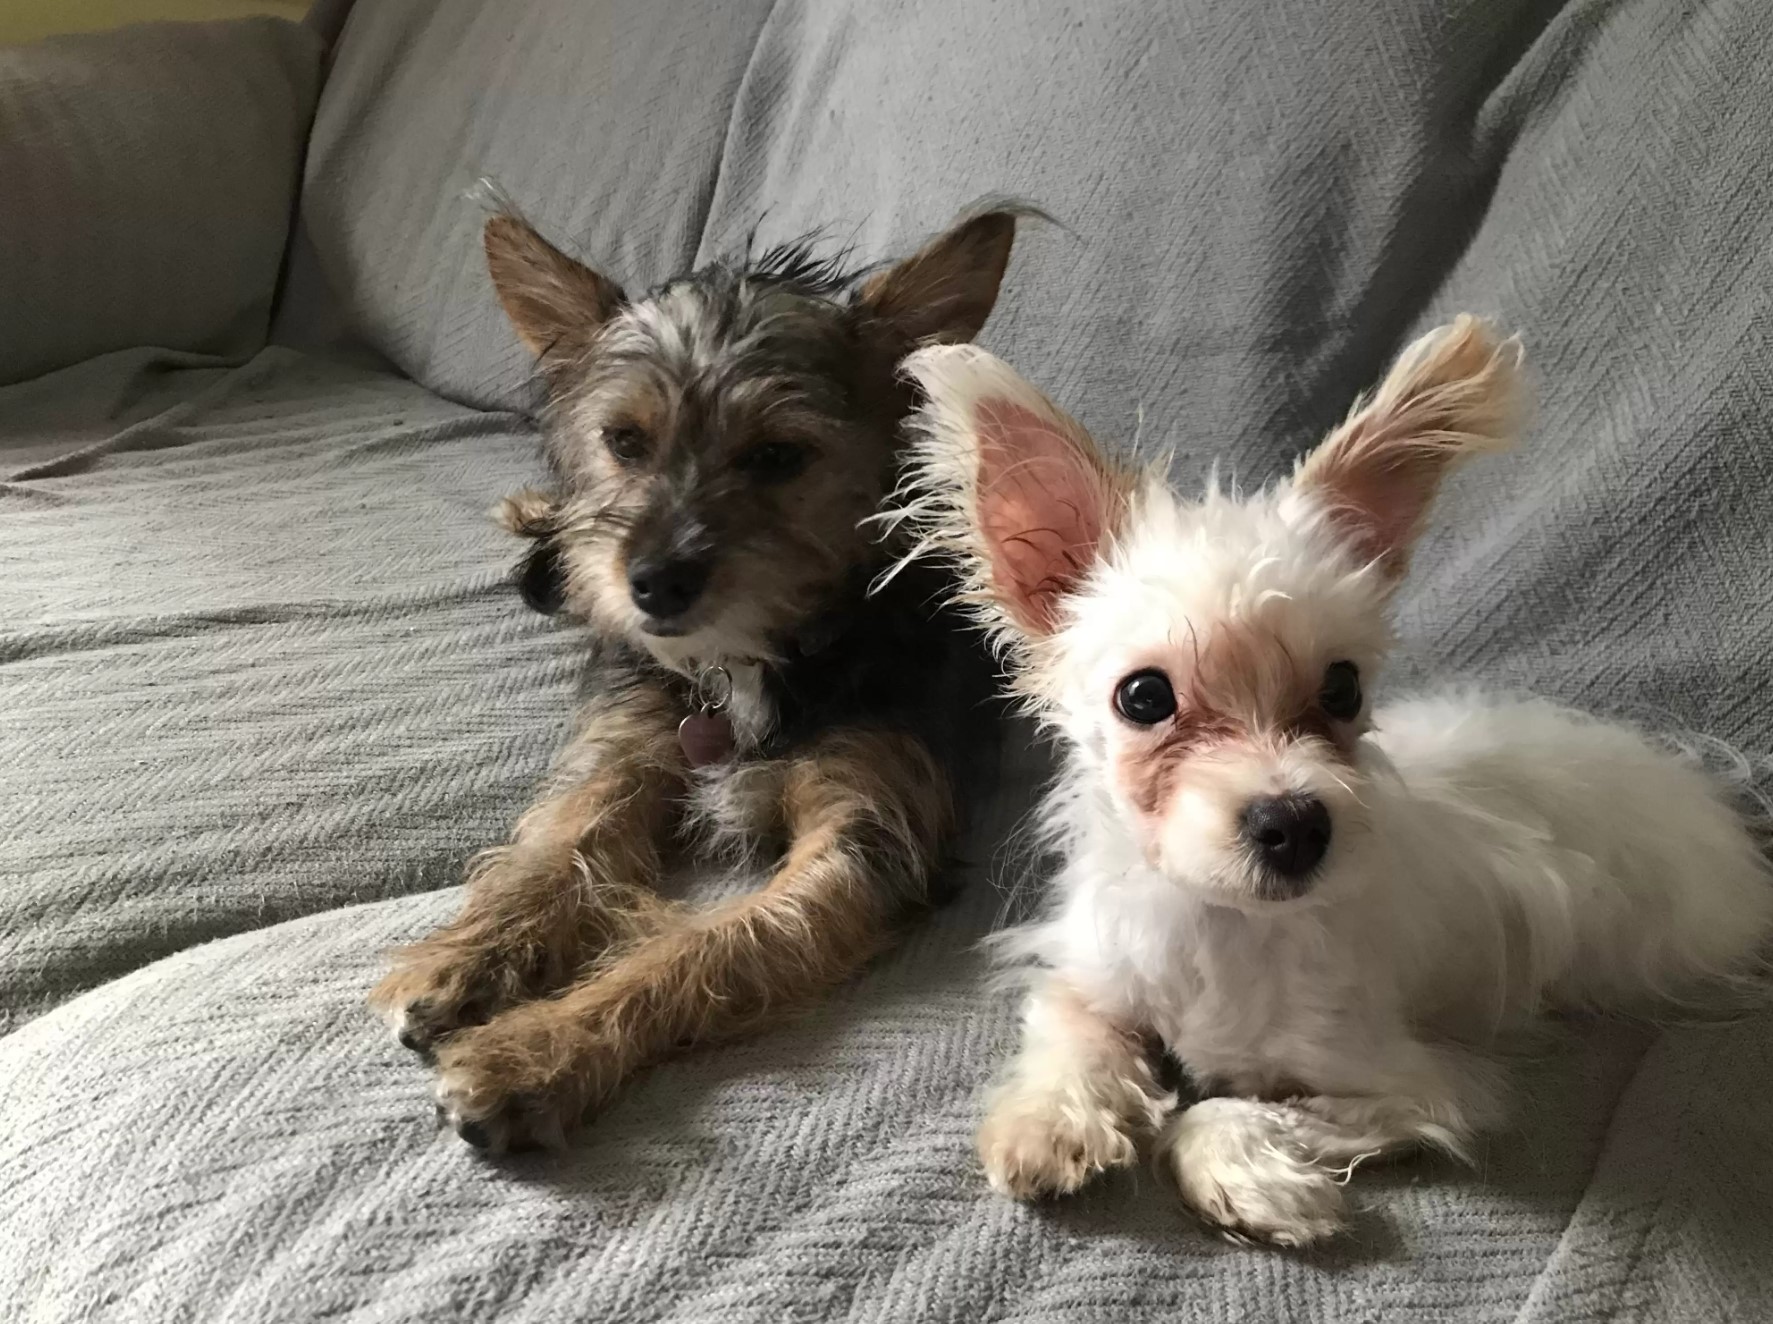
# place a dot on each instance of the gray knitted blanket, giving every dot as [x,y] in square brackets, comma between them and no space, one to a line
[262,689]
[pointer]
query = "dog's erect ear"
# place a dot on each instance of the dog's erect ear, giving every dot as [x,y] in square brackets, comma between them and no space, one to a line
[943,293]
[549,297]
[1008,484]
[1452,394]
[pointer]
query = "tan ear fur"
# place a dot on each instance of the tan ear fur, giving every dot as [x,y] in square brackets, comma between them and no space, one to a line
[943,293]
[527,512]
[549,298]
[1455,393]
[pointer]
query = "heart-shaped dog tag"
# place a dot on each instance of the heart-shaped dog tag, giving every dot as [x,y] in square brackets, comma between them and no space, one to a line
[706,738]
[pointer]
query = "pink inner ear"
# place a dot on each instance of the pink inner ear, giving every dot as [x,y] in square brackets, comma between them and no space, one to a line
[1040,510]
[1379,513]
[1380,494]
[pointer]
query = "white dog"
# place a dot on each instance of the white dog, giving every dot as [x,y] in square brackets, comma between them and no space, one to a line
[1324,911]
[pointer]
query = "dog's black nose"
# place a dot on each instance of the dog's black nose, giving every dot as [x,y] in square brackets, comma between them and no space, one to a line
[1289,833]
[664,589]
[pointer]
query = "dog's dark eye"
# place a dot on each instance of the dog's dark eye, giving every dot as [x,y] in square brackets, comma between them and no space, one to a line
[1340,697]
[626,444]
[773,461]
[1145,698]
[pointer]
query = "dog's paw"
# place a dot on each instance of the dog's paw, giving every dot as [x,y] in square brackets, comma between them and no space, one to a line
[521,1081]
[434,990]
[498,1120]
[1239,1165]
[1034,1147]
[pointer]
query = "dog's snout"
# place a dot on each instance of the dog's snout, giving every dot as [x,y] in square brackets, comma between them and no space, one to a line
[1288,833]
[667,587]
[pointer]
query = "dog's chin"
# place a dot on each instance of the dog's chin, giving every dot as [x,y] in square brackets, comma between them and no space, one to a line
[673,633]
[1268,888]
[1249,887]
[690,644]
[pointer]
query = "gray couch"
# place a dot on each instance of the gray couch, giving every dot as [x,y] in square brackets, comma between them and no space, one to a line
[262,688]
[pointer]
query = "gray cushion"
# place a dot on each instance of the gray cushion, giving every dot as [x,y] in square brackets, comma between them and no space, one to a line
[1265,197]
[146,181]
[257,655]
[267,1155]
[607,122]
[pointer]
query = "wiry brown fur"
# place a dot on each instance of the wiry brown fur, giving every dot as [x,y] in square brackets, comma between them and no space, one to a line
[565,972]
[852,806]
[704,375]
[574,879]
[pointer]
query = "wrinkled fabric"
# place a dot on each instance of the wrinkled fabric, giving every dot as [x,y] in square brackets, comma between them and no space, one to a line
[257,663]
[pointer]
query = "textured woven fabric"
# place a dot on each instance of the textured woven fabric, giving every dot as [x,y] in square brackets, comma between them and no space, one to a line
[226,1135]
[605,122]
[256,661]
[257,657]
[146,182]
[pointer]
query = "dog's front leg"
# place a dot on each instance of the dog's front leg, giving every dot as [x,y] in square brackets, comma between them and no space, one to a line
[1076,1100]
[575,878]
[1275,1170]
[866,816]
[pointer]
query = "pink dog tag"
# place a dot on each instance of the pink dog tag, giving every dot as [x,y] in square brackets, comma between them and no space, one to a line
[706,738]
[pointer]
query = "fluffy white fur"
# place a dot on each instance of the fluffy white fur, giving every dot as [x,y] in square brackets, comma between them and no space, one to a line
[1489,859]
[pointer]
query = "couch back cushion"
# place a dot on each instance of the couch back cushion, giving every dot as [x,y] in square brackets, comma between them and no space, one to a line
[1260,201]
[1231,189]
[147,178]
[605,122]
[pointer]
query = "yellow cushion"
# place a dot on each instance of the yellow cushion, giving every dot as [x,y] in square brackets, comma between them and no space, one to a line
[27,20]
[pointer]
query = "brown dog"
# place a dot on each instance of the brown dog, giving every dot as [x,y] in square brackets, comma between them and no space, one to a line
[717,448]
